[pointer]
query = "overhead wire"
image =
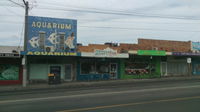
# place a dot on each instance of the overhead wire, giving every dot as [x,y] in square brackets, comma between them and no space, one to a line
[114,12]
[16,3]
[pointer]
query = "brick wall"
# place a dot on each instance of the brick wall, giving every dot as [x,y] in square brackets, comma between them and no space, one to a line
[143,44]
[167,45]
[92,47]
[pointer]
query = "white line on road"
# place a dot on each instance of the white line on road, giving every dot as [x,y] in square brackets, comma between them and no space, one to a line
[98,94]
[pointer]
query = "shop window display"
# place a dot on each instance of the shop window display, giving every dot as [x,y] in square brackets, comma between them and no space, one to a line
[88,68]
[94,68]
[139,68]
[102,68]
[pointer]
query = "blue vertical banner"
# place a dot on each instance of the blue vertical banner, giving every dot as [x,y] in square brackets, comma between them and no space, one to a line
[51,36]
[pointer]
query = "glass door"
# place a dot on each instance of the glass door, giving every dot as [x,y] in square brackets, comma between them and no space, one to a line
[164,68]
[56,71]
[68,72]
[113,70]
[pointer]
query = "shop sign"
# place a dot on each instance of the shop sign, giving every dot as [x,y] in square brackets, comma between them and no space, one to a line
[9,55]
[151,52]
[51,36]
[108,52]
[49,53]
[189,60]
[185,54]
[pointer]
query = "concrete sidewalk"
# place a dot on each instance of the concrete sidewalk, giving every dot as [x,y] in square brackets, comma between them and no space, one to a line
[68,85]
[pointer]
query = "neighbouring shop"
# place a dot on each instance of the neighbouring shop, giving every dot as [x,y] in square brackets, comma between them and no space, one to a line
[10,69]
[196,66]
[195,58]
[143,64]
[177,65]
[62,68]
[100,65]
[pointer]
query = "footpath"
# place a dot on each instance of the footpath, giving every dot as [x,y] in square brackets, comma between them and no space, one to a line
[70,85]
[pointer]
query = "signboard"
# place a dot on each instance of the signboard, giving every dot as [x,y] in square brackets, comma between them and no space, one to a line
[51,35]
[196,46]
[107,53]
[50,53]
[9,55]
[189,60]
[151,52]
[185,54]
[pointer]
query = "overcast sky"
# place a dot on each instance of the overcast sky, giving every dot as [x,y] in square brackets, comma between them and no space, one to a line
[100,21]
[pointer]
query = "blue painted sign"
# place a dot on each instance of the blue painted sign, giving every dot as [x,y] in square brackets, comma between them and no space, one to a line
[51,35]
[185,54]
[196,46]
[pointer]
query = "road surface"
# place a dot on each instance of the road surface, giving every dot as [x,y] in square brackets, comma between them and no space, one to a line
[168,96]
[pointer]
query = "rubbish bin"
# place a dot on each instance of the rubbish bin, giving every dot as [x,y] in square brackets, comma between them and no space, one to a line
[57,79]
[51,78]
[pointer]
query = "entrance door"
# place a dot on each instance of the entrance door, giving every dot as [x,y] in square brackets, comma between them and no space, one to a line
[164,68]
[113,70]
[56,70]
[68,72]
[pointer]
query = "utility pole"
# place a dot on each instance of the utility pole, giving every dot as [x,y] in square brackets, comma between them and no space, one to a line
[24,82]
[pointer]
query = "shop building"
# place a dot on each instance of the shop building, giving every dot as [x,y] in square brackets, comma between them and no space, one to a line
[194,58]
[100,62]
[159,55]
[51,49]
[10,65]
[171,65]
[142,64]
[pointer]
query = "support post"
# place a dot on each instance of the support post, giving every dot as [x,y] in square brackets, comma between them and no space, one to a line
[24,82]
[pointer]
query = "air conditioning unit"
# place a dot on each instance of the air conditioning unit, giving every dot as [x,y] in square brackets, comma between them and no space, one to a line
[154,48]
[49,48]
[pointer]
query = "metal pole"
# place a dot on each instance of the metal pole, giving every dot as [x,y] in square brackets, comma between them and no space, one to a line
[24,82]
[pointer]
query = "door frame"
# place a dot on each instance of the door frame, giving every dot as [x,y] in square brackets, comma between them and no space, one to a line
[71,72]
[55,65]
[161,70]
[116,76]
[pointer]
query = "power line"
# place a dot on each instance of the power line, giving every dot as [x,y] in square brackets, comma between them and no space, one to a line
[123,28]
[117,21]
[115,12]
[120,13]
[12,12]
[126,28]
[16,3]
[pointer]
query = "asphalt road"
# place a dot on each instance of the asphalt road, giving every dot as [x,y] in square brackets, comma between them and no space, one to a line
[179,96]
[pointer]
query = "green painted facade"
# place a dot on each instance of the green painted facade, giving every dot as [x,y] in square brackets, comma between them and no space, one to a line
[151,52]
[155,60]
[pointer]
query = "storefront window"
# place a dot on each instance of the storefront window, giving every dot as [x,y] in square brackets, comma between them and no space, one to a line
[197,68]
[9,72]
[137,68]
[88,68]
[102,68]
[95,68]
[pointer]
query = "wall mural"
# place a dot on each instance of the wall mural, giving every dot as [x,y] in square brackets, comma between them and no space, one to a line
[9,72]
[53,35]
